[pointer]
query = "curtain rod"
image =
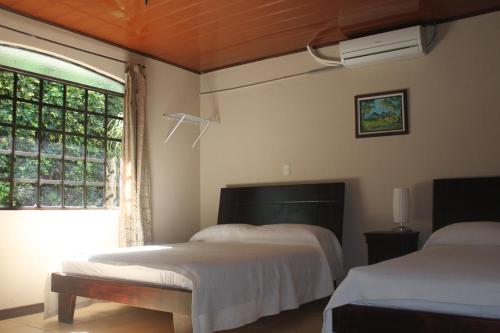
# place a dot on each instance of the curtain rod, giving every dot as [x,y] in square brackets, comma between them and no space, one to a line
[313,71]
[65,45]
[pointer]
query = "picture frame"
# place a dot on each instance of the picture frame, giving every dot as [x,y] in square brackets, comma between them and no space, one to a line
[383,113]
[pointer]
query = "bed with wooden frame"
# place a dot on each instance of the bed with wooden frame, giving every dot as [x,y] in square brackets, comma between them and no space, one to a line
[314,204]
[454,200]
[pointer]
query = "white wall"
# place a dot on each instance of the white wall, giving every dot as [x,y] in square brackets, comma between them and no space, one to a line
[30,241]
[175,167]
[308,122]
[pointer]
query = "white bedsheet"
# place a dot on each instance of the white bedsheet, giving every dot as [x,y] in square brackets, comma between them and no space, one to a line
[102,265]
[232,283]
[456,279]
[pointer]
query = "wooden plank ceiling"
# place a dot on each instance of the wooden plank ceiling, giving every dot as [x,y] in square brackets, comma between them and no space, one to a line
[204,35]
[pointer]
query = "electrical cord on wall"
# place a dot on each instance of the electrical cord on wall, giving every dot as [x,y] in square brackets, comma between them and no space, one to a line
[324,61]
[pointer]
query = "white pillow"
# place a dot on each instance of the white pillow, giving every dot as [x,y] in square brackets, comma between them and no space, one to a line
[223,233]
[467,233]
[319,237]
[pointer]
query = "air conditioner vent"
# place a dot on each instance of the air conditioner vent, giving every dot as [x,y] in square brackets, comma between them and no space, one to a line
[382,47]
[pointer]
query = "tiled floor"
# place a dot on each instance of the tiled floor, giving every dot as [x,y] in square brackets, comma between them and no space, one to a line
[114,318]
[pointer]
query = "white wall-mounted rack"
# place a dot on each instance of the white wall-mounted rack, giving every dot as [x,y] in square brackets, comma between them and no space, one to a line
[189,119]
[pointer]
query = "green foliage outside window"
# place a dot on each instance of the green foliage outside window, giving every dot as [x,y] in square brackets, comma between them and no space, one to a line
[52,118]
[5,161]
[26,141]
[6,83]
[26,167]
[60,145]
[75,97]
[27,114]
[95,172]
[50,195]
[95,125]
[5,111]
[28,87]
[74,146]
[50,168]
[73,196]
[115,106]
[75,122]
[96,101]
[115,128]
[4,194]
[73,171]
[25,195]
[95,196]
[51,143]
[53,93]
[95,148]
[5,138]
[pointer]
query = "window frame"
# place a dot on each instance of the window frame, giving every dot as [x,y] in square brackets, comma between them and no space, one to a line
[40,129]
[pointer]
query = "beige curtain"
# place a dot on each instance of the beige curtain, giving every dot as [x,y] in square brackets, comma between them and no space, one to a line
[135,184]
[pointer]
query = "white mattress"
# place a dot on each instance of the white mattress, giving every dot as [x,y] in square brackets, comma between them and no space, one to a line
[454,279]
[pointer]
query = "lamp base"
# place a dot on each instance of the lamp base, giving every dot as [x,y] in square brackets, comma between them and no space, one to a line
[402,228]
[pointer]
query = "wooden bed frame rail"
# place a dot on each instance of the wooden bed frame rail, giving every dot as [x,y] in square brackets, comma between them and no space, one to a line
[175,301]
[352,318]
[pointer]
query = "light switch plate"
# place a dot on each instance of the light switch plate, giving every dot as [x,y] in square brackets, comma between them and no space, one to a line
[286,169]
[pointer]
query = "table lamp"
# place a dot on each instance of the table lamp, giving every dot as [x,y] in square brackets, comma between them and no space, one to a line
[401,208]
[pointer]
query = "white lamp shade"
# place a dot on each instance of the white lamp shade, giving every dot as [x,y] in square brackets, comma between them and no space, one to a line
[401,205]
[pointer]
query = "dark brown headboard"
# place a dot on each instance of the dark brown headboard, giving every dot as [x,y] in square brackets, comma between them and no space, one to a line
[315,204]
[465,200]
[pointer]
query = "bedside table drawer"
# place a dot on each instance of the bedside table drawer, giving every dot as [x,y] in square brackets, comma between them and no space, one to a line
[384,245]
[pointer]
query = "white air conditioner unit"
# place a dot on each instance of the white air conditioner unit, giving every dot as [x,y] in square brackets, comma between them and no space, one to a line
[382,47]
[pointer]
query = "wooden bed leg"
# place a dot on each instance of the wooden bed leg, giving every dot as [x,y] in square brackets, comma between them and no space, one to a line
[182,323]
[66,308]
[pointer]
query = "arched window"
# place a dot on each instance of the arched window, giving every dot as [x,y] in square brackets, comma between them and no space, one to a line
[60,133]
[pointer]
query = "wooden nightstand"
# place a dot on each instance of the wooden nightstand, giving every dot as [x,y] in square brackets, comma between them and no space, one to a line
[384,245]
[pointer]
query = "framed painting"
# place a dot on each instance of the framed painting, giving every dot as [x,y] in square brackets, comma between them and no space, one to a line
[379,114]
